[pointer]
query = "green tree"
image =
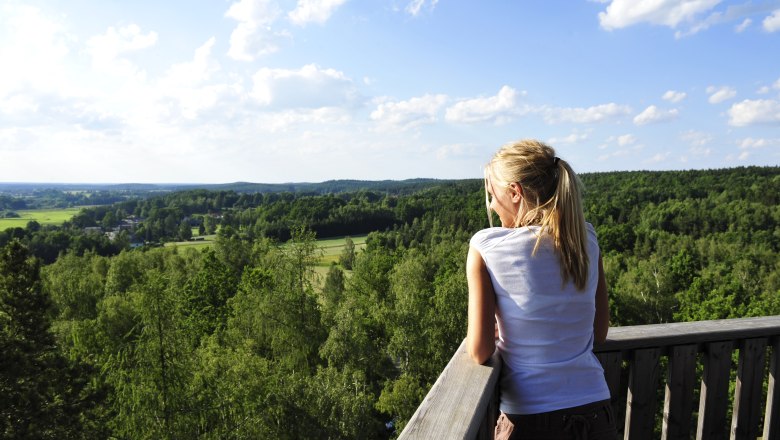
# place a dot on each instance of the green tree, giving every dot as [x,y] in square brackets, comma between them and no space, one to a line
[44,394]
[347,257]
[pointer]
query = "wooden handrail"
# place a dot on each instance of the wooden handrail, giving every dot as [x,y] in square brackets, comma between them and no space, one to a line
[459,402]
[462,402]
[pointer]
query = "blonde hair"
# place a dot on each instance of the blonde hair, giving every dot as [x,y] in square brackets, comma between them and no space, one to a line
[551,199]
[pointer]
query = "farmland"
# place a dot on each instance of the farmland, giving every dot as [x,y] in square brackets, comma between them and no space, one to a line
[42,216]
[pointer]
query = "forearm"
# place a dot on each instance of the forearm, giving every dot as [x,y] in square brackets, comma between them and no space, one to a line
[480,337]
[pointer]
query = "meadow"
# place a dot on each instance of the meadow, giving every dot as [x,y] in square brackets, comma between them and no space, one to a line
[331,248]
[42,216]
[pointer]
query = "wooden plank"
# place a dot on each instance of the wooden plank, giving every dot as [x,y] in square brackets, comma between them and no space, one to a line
[772,416]
[713,401]
[678,402]
[611,363]
[683,333]
[642,388]
[456,404]
[747,394]
[488,426]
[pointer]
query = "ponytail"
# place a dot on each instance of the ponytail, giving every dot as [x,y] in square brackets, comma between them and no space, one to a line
[552,199]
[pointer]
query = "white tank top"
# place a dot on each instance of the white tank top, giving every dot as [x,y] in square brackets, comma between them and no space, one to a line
[545,326]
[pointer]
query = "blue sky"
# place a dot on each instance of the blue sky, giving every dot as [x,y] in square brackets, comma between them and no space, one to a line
[311,90]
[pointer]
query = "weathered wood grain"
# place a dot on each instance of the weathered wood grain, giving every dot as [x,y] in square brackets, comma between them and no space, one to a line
[772,417]
[456,404]
[678,400]
[684,333]
[642,386]
[747,394]
[713,401]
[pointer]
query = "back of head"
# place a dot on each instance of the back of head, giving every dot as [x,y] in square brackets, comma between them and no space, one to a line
[551,199]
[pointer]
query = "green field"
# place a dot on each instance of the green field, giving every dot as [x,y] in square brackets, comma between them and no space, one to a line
[331,248]
[42,216]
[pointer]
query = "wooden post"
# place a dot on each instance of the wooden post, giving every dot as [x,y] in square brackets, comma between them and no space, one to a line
[747,394]
[714,391]
[642,386]
[678,402]
[772,417]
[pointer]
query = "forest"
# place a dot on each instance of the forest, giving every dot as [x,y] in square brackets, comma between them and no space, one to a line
[245,340]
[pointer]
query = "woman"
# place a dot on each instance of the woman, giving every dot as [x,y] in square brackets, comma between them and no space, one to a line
[540,280]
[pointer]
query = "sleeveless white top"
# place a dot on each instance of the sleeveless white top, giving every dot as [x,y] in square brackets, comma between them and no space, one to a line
[545,326]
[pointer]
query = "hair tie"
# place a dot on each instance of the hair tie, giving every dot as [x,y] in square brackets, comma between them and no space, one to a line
[556,160]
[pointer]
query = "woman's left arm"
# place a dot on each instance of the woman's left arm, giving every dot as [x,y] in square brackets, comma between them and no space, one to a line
[481,334]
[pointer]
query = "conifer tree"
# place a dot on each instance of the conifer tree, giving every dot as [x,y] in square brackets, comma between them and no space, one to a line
[43,394]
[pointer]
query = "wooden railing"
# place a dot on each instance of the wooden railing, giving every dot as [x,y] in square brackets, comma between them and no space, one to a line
[462,404]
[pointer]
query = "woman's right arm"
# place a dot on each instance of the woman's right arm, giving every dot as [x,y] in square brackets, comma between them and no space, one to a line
[481,334]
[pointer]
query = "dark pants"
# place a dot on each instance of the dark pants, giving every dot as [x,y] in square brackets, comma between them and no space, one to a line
[594,421]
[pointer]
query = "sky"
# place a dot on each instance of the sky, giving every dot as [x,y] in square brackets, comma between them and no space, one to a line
[272,91]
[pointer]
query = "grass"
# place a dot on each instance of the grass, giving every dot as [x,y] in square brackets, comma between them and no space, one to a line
[42,216]
[331,248]
[207,241]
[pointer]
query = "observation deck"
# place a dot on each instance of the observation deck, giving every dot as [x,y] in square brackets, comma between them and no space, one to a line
[652,372]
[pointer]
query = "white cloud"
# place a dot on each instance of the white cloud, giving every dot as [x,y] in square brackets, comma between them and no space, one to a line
[626,139]
[674,96]
[414,6]
[570,139]
[579,115]
[409,114]
[772,22]
[698,142]
[253,36]
[658,158]
[188,83]
[624,13]
[742,26]
[308,87]
[752,144]
[33,47]
[497,109]
[653,114]
[751,112]
[454,150]
[274,122]
[313,11]
[193,72]
[720,94]
[697,138]
[626,146]
[106,49]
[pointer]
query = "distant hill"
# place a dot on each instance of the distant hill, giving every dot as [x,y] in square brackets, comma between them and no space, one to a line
[327,187]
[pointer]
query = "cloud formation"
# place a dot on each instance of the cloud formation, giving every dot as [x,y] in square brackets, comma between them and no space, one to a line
[624,13]
[772,22]
[720,94]
[308,87]
[106,49]
[674,96]
[410,113]
[579,115]
[313,11]
[253,36]
[414,7]
[653,114]
[754,112]
[497,109]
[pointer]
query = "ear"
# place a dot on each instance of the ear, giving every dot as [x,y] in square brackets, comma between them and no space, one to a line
[517,192]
